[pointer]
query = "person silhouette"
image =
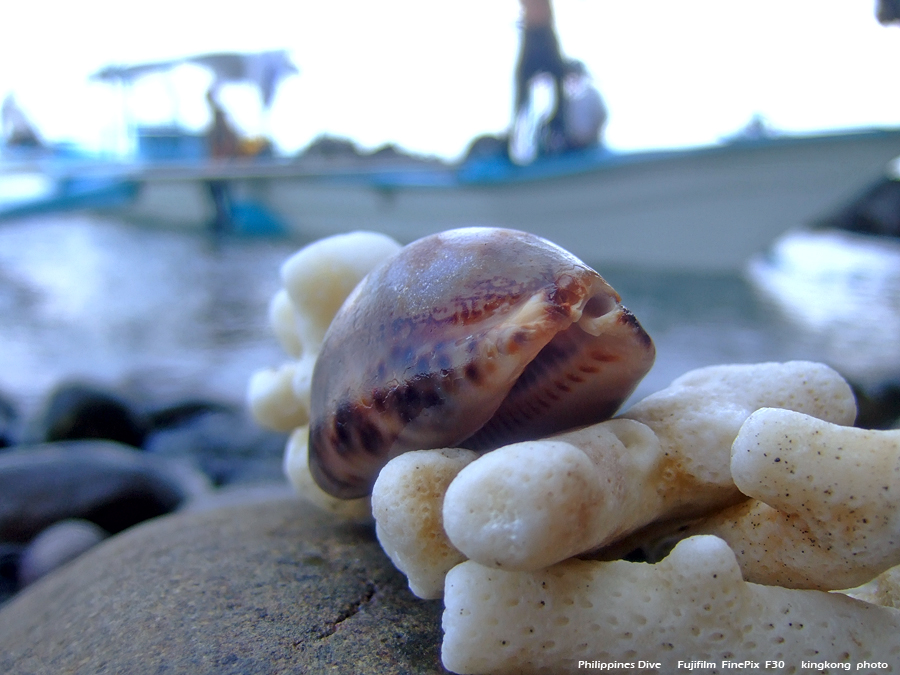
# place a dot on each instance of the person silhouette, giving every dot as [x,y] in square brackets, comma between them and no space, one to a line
[539,53]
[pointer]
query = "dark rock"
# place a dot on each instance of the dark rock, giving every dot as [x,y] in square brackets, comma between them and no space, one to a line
[875,211]
[271,587]
[227,444]
[8,420]
[55,546]
[104,482]
[878,406]
[177,414]
[9,570]
[79,411]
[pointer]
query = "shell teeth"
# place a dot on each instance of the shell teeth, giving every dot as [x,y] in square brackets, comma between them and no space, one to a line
[598,325]
[578,378]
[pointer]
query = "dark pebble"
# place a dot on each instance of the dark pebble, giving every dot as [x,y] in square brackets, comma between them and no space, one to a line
[9,570]
[9,419]
[79,411]
[878,406]
[226,443]
[55,546]
[184,412]
[107,483]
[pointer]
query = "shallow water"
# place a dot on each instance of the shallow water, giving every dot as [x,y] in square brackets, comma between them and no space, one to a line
[173,312]
[177,313]
[700,320]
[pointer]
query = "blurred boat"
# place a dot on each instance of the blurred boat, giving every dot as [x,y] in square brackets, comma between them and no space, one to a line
[30,193]
[36,177]
[57,179]
[707,208]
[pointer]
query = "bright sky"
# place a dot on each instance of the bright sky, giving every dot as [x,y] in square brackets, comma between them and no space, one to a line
[430,76]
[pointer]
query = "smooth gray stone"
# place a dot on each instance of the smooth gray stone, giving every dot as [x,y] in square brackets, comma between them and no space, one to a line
[255,587]
[57,545]
[107,483]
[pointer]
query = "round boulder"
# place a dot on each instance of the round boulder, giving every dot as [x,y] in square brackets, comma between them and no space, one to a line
[260,587]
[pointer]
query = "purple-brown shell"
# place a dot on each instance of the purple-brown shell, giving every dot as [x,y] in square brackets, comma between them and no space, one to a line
[473,338]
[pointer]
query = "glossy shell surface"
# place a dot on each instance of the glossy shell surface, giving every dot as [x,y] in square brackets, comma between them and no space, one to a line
[474,338]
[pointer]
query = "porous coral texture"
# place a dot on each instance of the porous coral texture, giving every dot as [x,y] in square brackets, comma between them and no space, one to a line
[698,416]
[316,281]
[296,468]
[882,590]
[826,513]
[693,606]
[406,503]
[532,504]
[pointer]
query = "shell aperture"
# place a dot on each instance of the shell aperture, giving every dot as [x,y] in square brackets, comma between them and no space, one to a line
[477,337]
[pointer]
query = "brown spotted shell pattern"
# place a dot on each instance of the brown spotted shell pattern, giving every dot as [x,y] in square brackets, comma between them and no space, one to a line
[476,338]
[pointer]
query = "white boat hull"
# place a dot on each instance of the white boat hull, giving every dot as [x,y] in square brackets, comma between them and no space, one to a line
[707,209]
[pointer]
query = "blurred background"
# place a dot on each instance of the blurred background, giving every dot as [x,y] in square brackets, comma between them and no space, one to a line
[161,161]
[430,77]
